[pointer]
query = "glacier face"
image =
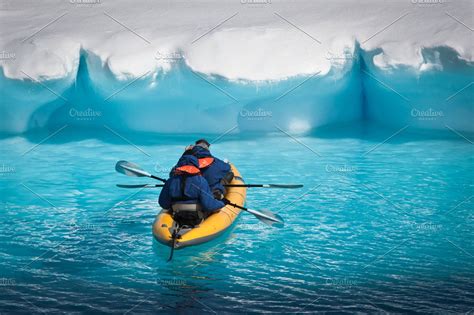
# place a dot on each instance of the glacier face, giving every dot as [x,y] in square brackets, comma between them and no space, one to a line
[439,97]
[181,100]
[238,66]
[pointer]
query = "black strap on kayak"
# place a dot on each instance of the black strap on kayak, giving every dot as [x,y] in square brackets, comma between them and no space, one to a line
[174,237]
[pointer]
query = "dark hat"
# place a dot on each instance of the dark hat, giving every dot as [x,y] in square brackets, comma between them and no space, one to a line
[203,142]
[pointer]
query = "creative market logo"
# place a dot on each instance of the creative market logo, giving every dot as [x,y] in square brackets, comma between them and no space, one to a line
[424,226]
[428,114]
[6,170]
[6,56]
[5,282]
[169,56]
[258,114]
[255,3]
[342,282]
[85,3]
[345,56]
[87,114]
[171,283]
[340,168]
[428,3]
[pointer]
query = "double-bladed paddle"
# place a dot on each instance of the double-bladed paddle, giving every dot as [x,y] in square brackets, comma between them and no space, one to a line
[266,216]
[131,169]
[228,185]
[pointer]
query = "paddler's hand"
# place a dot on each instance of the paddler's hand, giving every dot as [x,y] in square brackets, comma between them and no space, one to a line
[225,201]
[188,150]
[218,194]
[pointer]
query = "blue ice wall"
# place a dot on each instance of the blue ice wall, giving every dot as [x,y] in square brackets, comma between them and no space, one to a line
[183,101]
[432,99]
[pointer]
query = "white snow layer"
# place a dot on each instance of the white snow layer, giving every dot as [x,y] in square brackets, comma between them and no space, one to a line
[239,39]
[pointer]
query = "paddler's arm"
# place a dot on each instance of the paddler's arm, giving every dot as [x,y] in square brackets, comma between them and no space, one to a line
[207,200]
[165,198]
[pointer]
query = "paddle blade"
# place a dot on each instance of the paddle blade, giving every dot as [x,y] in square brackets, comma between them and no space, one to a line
[268,217]
[282,186]
[290,186]
[130,169]
[276,221]
[138,186]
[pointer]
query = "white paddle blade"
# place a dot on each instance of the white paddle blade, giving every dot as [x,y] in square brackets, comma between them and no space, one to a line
[278,225]
[276,221]
[268,217]
[136,186]
[130,169]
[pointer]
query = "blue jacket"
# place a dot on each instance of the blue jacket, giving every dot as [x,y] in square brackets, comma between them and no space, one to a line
[196,188]
[215,172]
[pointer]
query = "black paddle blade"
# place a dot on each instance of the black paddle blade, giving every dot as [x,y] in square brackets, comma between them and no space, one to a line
[285,186]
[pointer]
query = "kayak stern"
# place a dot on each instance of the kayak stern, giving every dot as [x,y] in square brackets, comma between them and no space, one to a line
[210,228]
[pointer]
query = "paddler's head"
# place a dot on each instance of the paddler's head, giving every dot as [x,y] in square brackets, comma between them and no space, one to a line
[203,143]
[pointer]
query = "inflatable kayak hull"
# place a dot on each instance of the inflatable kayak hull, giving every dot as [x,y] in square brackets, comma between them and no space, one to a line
[210,228]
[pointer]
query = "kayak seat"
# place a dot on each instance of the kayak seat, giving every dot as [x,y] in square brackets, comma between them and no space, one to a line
[187,215]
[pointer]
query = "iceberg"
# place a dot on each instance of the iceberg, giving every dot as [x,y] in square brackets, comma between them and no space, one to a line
[246,67]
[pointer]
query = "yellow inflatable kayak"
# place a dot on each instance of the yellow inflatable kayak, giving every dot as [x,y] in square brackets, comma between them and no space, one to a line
[211,227]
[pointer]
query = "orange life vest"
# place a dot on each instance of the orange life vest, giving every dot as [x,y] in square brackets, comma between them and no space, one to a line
[205,162]
[190,169]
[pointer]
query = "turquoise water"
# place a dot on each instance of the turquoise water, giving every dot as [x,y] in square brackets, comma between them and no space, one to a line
[378,227]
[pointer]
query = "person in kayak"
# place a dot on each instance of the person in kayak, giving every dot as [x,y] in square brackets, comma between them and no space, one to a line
[187,193]
[215,171]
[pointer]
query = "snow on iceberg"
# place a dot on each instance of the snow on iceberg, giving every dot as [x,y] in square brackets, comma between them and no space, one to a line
[240,66]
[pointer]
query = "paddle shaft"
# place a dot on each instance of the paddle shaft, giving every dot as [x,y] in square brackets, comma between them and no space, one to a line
[237,206]
[228,185]
[246,185]
[265,186]
[264,217]
[158,178]
[242,208]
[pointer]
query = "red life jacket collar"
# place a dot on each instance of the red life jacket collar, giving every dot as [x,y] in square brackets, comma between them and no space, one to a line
[189,169]
[205,162]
